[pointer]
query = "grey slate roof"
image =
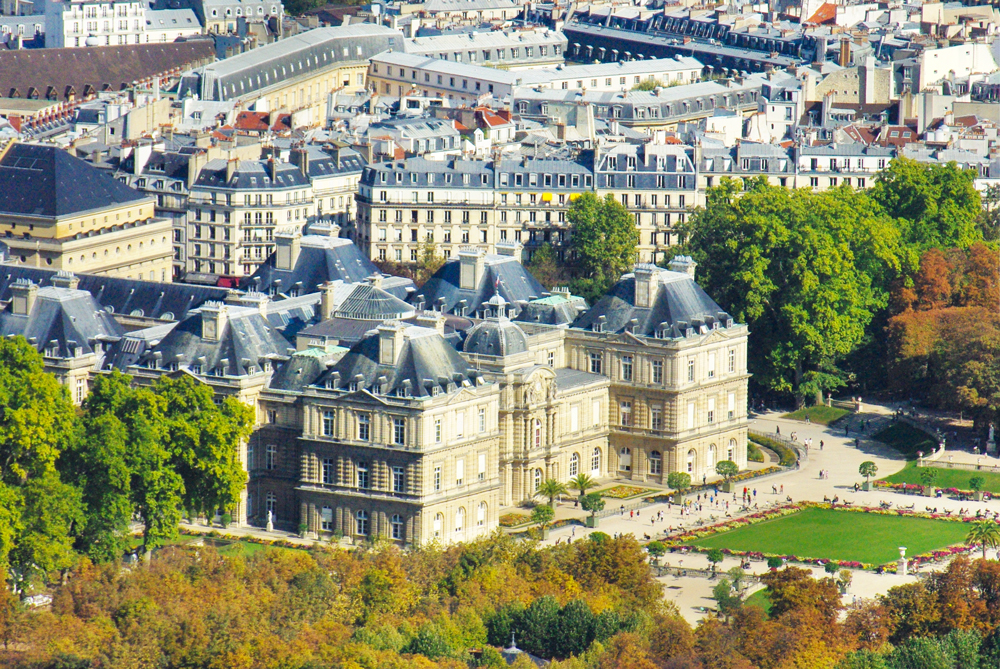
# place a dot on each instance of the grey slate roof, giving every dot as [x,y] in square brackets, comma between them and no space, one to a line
[553,310]
[63,316]
[150,299]
[680,304]
[497,337]
[47,181]
[426,361]
[502,275]
[251,175]
[244,345]
[301,370]
[567,378]
[366,302]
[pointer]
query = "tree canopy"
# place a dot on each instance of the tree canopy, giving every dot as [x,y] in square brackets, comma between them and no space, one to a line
[603,243]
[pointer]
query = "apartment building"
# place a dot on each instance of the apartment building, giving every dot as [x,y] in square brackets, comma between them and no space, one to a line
[510,49]
[60,212]
[86,23]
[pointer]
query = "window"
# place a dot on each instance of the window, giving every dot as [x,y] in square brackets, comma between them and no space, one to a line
[272,506]
[363,475]
[438,523]
[364,427]
[328,470]
[656,418]
[732,451]
[595,413]
[481,514]
[459,471]
[552,359]
[655,462]
[711,365]
[482,467]
[732,360]
[326,519]
[595,363]
[482,420]
[437,430]
[437,477]
[272,416]
[731,409]
[538,480]
[711,410]
[690,370]
[397,526]
[625,459]
[690,415]
[626,368]
[361,524]
[538,434]
[574,418]
[328,420]
[657,374]
[271,457]
[595,462]
[250,462]
[626,412]
[399,431]
[460,519]
[690,461]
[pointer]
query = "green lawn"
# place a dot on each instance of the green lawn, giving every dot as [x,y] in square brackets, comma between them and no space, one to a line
[907,439]
[761,599]
[946,478]
[840,535]
[822,415]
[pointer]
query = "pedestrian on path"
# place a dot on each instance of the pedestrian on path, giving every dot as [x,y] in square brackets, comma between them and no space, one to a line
[777,430]
[821,444]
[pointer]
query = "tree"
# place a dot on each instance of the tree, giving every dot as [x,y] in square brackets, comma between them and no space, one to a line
[927,476]
[715,556]
[794,589]
[603,243]
[551,488]
[977,483]
[656,549]
[806,271]
[727,469]
[647,85]
[545,266]
[868,469]
[726,597]
[582,483]
[204,442]
[592,502]
[429,261]
[831,567]
[774,563]
[679,481]
[986,533]
[542,515]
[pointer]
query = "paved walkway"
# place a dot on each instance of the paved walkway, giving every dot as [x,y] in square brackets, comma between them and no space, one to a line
[839,457]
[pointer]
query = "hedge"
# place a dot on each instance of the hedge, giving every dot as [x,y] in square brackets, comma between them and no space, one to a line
[787,457]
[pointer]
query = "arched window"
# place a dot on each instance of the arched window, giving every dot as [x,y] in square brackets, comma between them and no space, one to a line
[460,519]
[438,524]
[481,514]
[690,461]
[595,462]
[362,524]
[538,479]
[625,459]
[655,462]
[396,522]
[538,434]
[710,464]
[732,450]
[574,464]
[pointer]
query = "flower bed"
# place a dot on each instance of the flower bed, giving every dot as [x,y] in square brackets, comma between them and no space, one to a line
[625,492]
[514,519]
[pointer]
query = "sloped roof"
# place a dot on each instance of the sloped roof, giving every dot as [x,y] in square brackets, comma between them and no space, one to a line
[366,302]
[556,309]
[47,181]
[502,275]
[302,369]
[64,316]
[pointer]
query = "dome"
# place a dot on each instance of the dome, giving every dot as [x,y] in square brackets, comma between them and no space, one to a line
[92,40]
[496,337]
[496,301]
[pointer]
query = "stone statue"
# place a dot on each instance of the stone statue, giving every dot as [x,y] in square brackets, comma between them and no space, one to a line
[991,433]
[270,521]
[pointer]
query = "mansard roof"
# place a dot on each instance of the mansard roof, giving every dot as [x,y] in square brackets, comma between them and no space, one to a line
[503,275]
[64,317]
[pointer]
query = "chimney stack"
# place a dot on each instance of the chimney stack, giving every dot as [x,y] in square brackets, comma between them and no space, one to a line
[64,279]
[473,265]
[214,316]
[24,293]
[287,244]
[684,265]
[390,342]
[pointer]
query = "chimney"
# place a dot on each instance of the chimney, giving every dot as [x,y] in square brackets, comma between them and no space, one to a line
[473,265]
[196,162]
[231,167]
[300,156]
[272,169]
[866,79]
[433,320]
[64,279]
[684,265]
[287,244]
[390,344]
[214,316]
[509,249]
[845,52]
[140,156]
[820,57]
[24,293]
[647,284]
[327,303]
[375,280]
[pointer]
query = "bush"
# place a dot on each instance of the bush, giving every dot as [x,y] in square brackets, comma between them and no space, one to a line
[679,481]
[592,502]
[774,562]
[787,457]
[226,520]
[977,483]
[754,454]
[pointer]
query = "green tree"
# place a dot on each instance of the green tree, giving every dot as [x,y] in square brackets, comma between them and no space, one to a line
[679,481]
[542,515]
[806,271]
[726,597]
[863,659]
[575,630]
[656,549]
[938,205]
[977,483]
[551,488]
[582,483]
[204,442]
[727,469]
[429,261]
[603,243]
[647,85]
[868,469]
[592,502]
[927,476]
[715,556]
[922,653]
[986,533]
[545,266]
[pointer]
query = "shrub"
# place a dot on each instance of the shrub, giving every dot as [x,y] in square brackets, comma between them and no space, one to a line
[977,483]
[787,457]
[679,481]
[226,520]
[754,454]
[774,562]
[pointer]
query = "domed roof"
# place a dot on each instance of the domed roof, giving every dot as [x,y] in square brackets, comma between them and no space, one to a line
[496,336]
[496,301]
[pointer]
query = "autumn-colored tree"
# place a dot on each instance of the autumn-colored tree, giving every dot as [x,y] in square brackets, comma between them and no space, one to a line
[932,283]
[869,624]
[671,637]
[912,611]
[627,651]
[981,279]
[794,589]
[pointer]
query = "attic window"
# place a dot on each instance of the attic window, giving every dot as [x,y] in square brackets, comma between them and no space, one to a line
[195,369]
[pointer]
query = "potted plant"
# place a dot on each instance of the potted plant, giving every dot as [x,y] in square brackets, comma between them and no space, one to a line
[542,515]
[715,556]
[303,530]
[656,550]
[868,469]
[727,469]
[774,563]
[976,484]
[679,481]
[582,483]
[592,502]
[927,477]
[551,488]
